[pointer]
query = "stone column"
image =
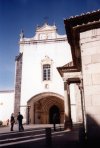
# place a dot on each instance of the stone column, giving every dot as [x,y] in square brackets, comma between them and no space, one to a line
[28,114]
[83,105]
[67,105]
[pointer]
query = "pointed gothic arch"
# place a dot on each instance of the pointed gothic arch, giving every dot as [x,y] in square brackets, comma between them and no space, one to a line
[41,105]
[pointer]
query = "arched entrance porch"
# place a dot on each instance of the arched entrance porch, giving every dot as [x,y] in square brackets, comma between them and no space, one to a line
[80,102]
[43,107]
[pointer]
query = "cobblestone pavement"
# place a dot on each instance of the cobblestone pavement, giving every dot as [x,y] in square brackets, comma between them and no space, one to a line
[6,129]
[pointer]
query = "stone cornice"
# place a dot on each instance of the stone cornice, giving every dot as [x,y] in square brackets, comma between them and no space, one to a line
[63,70]
[43,41]
[6,91]
[74,26]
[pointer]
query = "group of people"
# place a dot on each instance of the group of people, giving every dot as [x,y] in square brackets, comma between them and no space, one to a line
[19,119]
[56,120]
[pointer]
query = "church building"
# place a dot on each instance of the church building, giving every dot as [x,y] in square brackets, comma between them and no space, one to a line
[39,88]
[59,74]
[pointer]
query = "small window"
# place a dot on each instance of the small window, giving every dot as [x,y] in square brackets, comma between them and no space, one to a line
[46,72]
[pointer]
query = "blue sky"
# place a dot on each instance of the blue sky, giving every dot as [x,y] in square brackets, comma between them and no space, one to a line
[27,14]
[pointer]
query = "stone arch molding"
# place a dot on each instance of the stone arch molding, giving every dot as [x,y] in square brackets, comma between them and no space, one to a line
[44,95]
[42,103]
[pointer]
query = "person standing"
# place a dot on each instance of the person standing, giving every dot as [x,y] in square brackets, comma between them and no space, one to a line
[7,122]
[20,118]
[54,120]
[12,121]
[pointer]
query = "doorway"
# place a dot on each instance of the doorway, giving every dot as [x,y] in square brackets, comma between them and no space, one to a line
[54,110]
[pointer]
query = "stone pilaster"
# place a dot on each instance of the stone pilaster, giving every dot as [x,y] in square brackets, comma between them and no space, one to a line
[83,105]
[18,76]
[68,120]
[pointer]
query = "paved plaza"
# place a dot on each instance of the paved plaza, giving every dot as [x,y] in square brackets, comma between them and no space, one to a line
[42,136]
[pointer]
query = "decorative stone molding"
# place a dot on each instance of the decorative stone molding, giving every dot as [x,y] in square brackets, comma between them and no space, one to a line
[46,60]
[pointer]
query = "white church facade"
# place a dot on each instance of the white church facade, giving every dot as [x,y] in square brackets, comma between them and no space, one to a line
[39,89]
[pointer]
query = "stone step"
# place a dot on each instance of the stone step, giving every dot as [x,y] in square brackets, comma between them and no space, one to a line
[13,138]
[36,137]
[15,134]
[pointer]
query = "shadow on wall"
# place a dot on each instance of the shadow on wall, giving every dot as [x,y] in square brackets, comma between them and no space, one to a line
[93,128]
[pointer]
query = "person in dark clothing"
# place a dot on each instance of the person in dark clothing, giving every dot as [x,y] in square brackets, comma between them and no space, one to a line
[20,118]
[12,121]
[54,121]
[7,122]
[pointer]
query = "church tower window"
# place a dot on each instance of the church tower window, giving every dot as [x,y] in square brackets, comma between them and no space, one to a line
[46,64]
[46,72]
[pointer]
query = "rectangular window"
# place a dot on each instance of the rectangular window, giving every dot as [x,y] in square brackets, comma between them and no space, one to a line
[46,72]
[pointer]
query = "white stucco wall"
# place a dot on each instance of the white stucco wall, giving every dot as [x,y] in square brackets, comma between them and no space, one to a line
[32,83]
[6,105]
[59,52]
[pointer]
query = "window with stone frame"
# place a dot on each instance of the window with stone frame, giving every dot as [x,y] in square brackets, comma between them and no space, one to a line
[47,64]
[46,72]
